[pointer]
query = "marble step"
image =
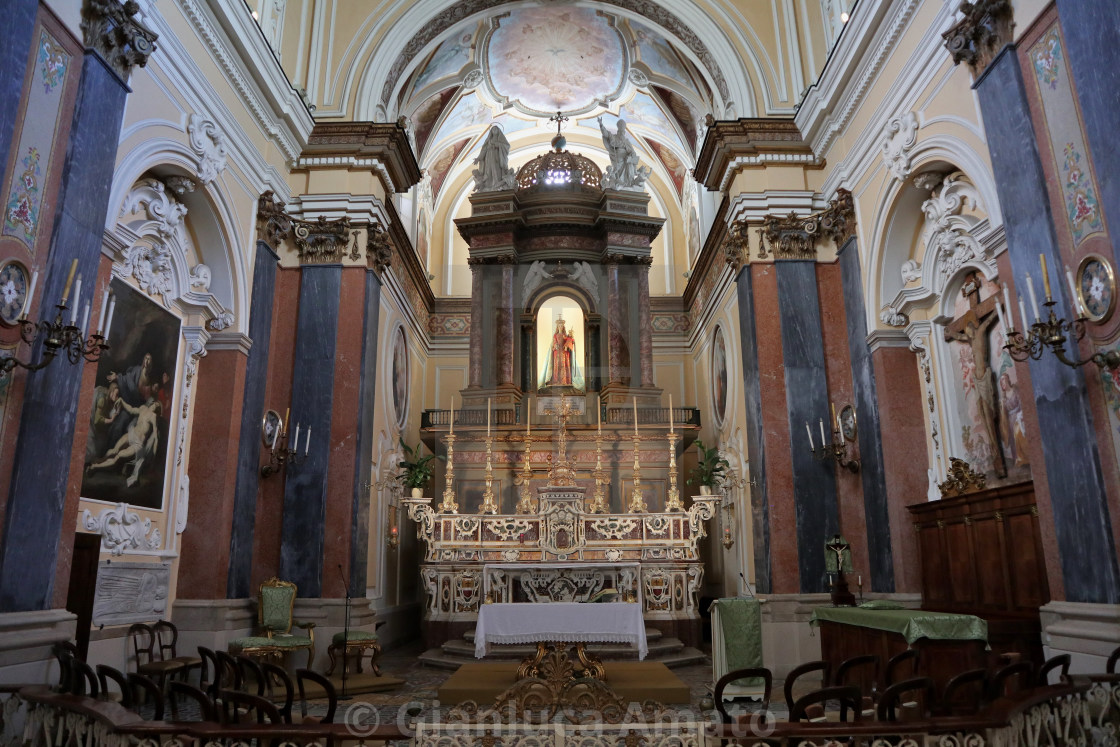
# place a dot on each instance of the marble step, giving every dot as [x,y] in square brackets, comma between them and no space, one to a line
[652,634]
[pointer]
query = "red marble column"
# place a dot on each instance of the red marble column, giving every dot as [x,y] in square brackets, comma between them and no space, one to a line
[645,330]
[477,323]
[215,431]
[506,326]
[905,456]
[614,334]
[784,574]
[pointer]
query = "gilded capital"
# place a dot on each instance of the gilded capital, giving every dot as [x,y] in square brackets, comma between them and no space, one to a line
[984,30]
[109,28]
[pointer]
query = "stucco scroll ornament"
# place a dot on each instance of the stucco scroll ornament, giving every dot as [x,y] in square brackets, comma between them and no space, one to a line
[494,173]
[164,211]
[911,271]
[209,144]
[121,529]
[379,252]
[273,222]
[200,278]
[223,321]
[152,268]
[950,235]
[892,317]
[736,247]
[899,136]
[122,41]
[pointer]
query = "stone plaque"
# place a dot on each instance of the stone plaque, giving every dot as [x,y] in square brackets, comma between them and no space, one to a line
[131,592]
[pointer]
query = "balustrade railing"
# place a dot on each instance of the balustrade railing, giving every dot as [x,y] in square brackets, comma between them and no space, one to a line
[683,417]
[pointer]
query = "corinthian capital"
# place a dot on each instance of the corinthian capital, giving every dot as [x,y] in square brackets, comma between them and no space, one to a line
[108,27]
[984,30]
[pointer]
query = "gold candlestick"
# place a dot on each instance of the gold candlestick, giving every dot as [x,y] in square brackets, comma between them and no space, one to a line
[449,506]
[673,503]
[598,500]
[525,500]
[637,502]
[489,505]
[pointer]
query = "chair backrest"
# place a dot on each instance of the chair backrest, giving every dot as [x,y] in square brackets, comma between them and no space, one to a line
[143,643]
[860,671]
[274,608]
[244,708]
[64,653]
[83,680]
[1110,665]
[1062,662]
[167,638]
[1022,672]
[228,676]
[799,671]
[249,675]
[277,677]
[177,690]
[302,676]
[896,665]
[106,673]
[151,690]
[209,673]
[848,696]
[887,709]
[965,694]
[742,674]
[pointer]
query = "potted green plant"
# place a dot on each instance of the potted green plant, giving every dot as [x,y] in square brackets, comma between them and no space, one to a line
[710,470]
[416,470]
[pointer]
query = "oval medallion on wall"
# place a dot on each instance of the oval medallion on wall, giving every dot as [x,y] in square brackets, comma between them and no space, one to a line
[719,375]
[400,377]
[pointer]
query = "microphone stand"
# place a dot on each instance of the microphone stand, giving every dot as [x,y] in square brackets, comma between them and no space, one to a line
[345,632]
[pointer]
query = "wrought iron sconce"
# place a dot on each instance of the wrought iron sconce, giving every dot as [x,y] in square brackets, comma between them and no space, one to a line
[274,431]
[1048,330]
[392,539]
[59,337]
[844,430]
[728,517]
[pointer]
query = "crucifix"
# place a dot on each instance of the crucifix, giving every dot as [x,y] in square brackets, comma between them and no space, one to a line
[561,472]
[972,329]
[558,119]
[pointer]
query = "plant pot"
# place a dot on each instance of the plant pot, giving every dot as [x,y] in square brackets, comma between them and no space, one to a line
[418,494]
[705,490]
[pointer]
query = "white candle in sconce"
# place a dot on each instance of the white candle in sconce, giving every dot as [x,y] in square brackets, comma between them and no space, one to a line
[306,442]
[823,442]
[1010,309]
[104,309]
[1045,277]
[999,313]
[109,323]
[295,441]
[85,321]
[77,298]
[809,432]
[30,294]
[1023,313]
[69,280]
[1034,298]
[1075,299]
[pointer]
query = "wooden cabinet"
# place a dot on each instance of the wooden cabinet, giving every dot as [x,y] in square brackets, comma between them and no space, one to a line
[981,554]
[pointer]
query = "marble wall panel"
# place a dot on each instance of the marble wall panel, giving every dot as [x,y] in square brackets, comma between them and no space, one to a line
[756,445]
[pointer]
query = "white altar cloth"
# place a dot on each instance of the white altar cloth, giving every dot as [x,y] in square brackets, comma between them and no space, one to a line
[563,622]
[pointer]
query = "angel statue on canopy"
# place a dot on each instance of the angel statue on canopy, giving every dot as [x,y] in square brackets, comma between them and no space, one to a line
[561,368]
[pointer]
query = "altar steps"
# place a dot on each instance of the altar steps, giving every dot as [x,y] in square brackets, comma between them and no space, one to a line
[669,651]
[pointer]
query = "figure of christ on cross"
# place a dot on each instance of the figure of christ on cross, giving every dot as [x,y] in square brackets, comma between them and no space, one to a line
[972,328]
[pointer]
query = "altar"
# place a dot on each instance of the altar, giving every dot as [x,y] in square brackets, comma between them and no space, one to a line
[560,622]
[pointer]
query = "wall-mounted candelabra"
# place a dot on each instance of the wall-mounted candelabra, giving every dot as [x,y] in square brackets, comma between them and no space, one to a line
[836,450]
[57,336]
[1049,330]
[393,540]
[282,451]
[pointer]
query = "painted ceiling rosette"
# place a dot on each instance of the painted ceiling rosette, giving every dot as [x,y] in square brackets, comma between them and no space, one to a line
[542,61]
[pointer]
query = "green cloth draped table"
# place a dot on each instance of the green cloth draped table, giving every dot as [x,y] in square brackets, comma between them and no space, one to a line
[737,643]
[910,624]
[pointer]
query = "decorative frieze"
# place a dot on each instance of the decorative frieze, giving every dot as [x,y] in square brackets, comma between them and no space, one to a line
[209,144]
[109,28]
[121,530]
[985,29]
[321,240]
[962,479]
[796,237]
[898,139]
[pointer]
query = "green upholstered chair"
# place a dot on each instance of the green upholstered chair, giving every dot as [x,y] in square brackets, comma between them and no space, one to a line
[355,643]
[274,638]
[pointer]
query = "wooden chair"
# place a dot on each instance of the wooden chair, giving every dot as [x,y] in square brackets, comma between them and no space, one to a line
[177,690]
[249,676]
[275,602]
[965,694]
[106,673]
[64,652]
[167,638]
[302,677]
[742,674]
[848,696]
[83,680]
[146,651]
[1062,662]
[1021,673]
[277,677]
[242,708]
[1110,665]
[800,671]
[898,662]
[891,703]
[208,672]
[228,676]
[150,690]
[862,672]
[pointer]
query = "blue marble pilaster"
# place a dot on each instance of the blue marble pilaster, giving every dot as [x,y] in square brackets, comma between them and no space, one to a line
[363,467]
[1090,29]
[756,444]
[1069,444]
[814,482]
[868,435]
[15,46]
[238,583]
[41,460]
[305,485]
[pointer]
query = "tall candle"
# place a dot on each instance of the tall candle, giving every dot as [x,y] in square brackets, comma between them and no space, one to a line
[834,418]
[452,415]
[823,442]
[104,308]
[1034,298]
[999,313]
[1074,298]
[69,280]
[528,415]
[488,417]
[109,323]
[670,413]
[287,412]
[295,441]
[1010,309]
[809,432]
[635,417]
[77,298]
[1023,313]
[1045,276]
[307,441]
[85,321]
